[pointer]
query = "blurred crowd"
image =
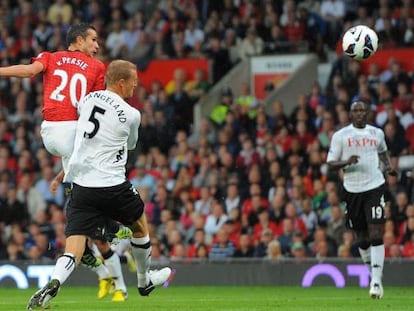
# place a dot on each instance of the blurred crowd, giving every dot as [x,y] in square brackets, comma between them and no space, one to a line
[244,182]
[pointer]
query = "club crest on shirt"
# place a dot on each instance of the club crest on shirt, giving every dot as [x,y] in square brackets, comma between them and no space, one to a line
[119,155]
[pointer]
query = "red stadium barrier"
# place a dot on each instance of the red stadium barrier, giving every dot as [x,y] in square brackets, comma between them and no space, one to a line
[382,57]
[163,70]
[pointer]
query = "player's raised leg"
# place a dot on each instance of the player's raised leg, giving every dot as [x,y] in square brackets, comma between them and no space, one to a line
[148,279]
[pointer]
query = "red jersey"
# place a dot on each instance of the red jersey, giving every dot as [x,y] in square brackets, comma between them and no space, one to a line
[67,77]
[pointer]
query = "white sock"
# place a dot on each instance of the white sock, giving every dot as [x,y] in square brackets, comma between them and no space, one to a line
[102,271]
[113,264]
[95,250]
[141,250]
[120,248]
[64,267]
[377,262]
[366,256]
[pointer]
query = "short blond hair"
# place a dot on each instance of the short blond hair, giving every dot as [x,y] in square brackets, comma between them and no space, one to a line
[117,70]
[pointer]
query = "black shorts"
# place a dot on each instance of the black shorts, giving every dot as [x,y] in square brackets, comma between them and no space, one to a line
[365,208]
[90,208]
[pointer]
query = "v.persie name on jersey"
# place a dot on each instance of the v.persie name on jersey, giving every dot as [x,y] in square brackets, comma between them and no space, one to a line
[362,142]
[110,101]
[72,61]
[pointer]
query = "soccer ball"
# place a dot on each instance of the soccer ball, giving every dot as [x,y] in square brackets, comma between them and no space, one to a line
[360,42]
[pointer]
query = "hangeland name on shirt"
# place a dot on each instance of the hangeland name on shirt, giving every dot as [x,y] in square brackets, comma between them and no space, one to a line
[112,102]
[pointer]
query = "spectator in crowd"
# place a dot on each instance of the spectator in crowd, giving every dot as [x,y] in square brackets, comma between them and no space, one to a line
[294,30]
[274,253]
[232,227]
[395,139]
[245,248]
[298,251]
[29,195]
[297,222]
[315,29]
[197,87]
[333,12]
[262,245]
[277,41]
[202,252]
[405,236]
[219,113]
[408,247]
[204,131]
[246,101]
[115,42]
[43,186]
[233,199]
[157,255]
[323,245]
[389,239]
[179,78]
[251,45]
[286,236]
[219,56]
[223,248]
[60,12]
[309,216]
[232,44]
[248,156]
[336,224]
[131,35]
[192,34]
[13,211]
[395,252]
[344,251]
[143,179]
[198,239]
[215,219]
[264,223]
[183,107]
[14,252]
[187,209]
[204,205]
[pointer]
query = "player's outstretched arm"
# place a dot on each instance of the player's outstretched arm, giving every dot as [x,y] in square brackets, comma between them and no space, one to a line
[386,160]
[21,71]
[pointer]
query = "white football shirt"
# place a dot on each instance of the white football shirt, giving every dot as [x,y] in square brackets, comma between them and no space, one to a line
[107,129]
[365,143]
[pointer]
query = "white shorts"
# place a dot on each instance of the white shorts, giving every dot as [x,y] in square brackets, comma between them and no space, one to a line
[58,138]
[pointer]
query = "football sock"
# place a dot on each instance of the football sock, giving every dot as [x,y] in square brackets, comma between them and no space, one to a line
[113,263]
[94,263]
[64,267]
[141,250]
[377,262]
[95,250]
[102,271]
[366,256]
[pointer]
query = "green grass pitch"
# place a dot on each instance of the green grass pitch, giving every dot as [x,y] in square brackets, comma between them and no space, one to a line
[226,298]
